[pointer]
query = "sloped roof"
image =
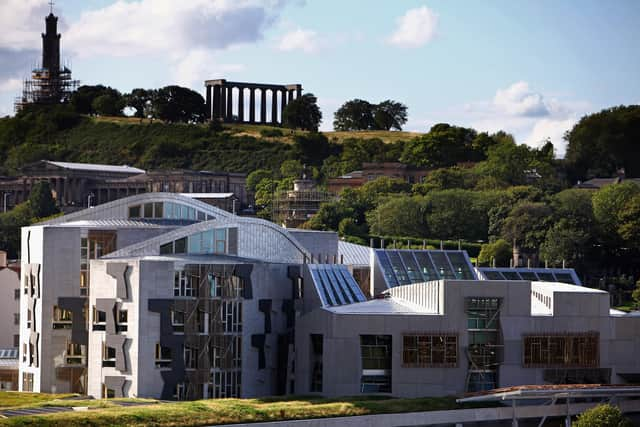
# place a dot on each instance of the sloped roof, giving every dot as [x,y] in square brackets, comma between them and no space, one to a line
[96,167]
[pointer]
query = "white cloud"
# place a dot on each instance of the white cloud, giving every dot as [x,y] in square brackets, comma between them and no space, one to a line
[553,130]
[519,100]
[152,27]
[10,85]
[415,28]
[303,40]
[21,22]
[192,68]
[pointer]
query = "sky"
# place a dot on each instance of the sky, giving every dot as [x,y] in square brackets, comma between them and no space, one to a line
[531,68]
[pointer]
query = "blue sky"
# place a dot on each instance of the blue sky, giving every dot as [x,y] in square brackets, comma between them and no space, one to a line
[531,68]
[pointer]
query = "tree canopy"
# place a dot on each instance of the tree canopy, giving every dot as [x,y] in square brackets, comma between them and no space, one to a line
[358,114]
[303,113]
[601,143]
[179,104]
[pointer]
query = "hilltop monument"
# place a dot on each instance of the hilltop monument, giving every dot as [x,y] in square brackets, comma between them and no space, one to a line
[50,83]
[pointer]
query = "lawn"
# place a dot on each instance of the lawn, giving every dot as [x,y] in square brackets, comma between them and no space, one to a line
[12,400]
[227,411]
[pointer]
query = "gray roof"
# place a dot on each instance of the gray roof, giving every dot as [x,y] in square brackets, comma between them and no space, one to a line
[96,167]
[377,306]
[353,254]
[207,195]
[127,223]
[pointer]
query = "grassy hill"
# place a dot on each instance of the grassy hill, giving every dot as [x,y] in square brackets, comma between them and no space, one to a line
[66,136]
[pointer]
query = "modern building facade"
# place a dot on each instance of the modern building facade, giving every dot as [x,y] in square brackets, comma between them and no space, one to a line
[160,295]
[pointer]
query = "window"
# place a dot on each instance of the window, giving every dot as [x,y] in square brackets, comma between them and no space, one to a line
[134,211]
[108,356]
[16,318]
[177,320]
[424,351]
[163,356]
[122,320]
[16,293]
[179,392]
[25,350]
[185,284]
[99,319]
[74,354]
[180,246]
[375,353]
[84,265]
[108,393]
[27,381]
[28,319]
[316,363]
[224,384]
[16,340]
[148,210]
[62,319]
[190,357]
[157,208]
[221,241]
[561,350]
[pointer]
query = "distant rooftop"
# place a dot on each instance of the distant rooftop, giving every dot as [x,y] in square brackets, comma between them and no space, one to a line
[95,167]
[207,195]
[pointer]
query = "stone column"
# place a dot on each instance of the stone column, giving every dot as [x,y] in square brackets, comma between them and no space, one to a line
[223,103]
[252,105]
[230,103]
[207,89]
[263,106]
[290,95]
[274,106]
[283,104]
[241,104]
[298,91]
[216,102]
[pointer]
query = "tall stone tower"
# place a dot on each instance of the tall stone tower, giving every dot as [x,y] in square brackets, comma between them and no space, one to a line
[51,45]
[51,83]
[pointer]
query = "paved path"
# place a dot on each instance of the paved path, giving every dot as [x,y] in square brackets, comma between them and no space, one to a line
[35,411]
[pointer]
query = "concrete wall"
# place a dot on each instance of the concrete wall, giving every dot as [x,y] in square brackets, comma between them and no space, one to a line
[323,245]
[9,306]
[573,312]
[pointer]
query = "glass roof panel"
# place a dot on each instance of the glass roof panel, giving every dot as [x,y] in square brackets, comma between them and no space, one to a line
[493,275]
[442,264]
[398,268]
[528,275]
[426,266]
[460,265]
[511,275]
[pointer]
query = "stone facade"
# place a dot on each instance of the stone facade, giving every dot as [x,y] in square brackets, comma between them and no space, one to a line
[371,171]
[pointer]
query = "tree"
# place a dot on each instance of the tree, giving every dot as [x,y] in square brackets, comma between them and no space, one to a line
[179,104]
[83,99]
[398,216]
[291,168]
[140,100]
[604,415]
[608,206]
[356,114]
[601,143]
[254,178]
[41,202]
[456,214]
[108,105]
[497,253]
[390,115]
[635,295]
[443,146]
[303,113]
[527,225]
[629,222]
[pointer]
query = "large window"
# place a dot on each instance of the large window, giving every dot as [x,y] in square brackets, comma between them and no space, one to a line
[185,284]
[163,356]
[74,354]
[561,350]
[62,319]
[108,356]
[425,351]
[316,362]
[190,357]
[375,351]
[207,242]
[177,320]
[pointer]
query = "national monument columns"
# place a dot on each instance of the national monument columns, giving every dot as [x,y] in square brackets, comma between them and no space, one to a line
[227,101]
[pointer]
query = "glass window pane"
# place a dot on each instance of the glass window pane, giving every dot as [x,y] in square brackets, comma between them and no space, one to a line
[181,246]
[148,210]
[134,211]
[158,211]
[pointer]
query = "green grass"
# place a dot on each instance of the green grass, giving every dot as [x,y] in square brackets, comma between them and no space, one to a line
[11,399]
[227,411]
